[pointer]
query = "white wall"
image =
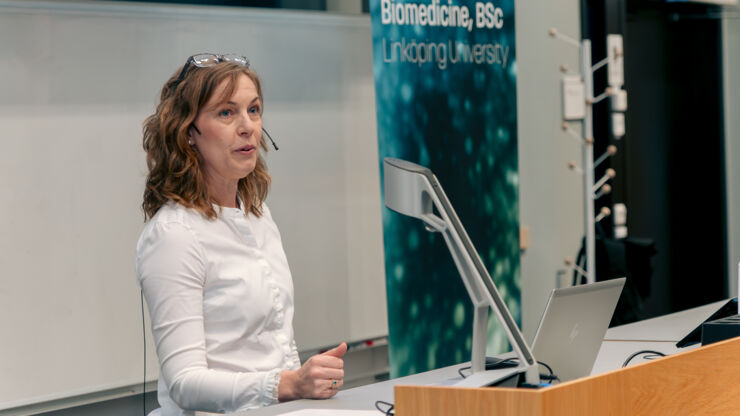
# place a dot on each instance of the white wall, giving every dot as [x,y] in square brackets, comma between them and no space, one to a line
[550,195]
[77,81]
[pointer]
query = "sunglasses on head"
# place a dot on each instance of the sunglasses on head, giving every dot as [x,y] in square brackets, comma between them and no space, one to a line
[204,60]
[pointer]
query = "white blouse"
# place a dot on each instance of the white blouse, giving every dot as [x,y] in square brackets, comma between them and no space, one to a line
[220,296]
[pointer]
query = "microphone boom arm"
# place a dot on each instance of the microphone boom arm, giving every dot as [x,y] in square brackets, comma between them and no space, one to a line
[413,190]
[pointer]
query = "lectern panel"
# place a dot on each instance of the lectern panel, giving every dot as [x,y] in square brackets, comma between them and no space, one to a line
[698,382]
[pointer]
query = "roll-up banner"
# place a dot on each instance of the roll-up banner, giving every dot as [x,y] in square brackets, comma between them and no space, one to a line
[445,82]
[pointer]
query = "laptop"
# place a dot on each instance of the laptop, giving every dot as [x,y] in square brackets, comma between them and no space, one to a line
[568,338]
[573,327]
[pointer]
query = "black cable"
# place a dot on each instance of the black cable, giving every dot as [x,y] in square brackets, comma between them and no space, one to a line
[460,371]
[550,377]
[547,367]
[500,364]
[143,333]
[389,411]
[652,355]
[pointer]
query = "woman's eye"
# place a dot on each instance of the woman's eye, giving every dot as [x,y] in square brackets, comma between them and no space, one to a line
[224,113]
[254,110]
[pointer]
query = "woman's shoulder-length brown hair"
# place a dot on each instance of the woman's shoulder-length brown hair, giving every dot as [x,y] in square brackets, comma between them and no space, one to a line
[175,167]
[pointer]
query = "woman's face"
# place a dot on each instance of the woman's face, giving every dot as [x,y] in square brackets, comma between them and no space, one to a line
[230,133]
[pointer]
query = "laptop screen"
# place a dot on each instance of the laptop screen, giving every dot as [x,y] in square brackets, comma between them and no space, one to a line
[573,326]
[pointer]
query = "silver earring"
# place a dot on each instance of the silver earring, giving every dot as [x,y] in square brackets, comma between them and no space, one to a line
[191,142]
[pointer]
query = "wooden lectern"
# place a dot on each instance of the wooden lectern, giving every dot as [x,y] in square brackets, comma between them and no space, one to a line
[704,381]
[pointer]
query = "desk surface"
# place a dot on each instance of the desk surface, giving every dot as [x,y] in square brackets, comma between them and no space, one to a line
[362,398]
[669,328]
[658,334]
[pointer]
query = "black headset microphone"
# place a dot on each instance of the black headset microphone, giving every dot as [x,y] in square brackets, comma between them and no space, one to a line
[270,137]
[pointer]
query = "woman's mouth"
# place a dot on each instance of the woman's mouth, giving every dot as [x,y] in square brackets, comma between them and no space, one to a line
[245,150]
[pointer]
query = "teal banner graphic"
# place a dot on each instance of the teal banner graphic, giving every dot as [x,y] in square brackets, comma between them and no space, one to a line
[445,82]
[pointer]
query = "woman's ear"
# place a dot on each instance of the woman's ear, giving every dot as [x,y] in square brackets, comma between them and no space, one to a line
[190,134]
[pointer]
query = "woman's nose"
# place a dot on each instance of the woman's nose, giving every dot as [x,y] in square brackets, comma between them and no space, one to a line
[246,124]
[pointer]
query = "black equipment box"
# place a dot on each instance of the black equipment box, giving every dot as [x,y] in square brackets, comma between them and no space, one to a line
[720,329]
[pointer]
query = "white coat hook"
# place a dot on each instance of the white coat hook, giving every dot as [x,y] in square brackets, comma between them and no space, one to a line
[572,133]
[571,265]
[610,173]
[605,212]
[611,150]
[565,38]
[572,166]
[606,189]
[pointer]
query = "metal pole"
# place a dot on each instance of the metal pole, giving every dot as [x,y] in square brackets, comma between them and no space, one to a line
[588,162]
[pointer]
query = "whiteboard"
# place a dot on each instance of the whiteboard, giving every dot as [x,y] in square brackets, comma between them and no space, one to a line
[77,81]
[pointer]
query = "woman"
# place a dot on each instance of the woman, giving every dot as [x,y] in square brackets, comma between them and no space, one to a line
[210,260]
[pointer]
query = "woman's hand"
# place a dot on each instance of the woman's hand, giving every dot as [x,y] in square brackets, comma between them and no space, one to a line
[320,377]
